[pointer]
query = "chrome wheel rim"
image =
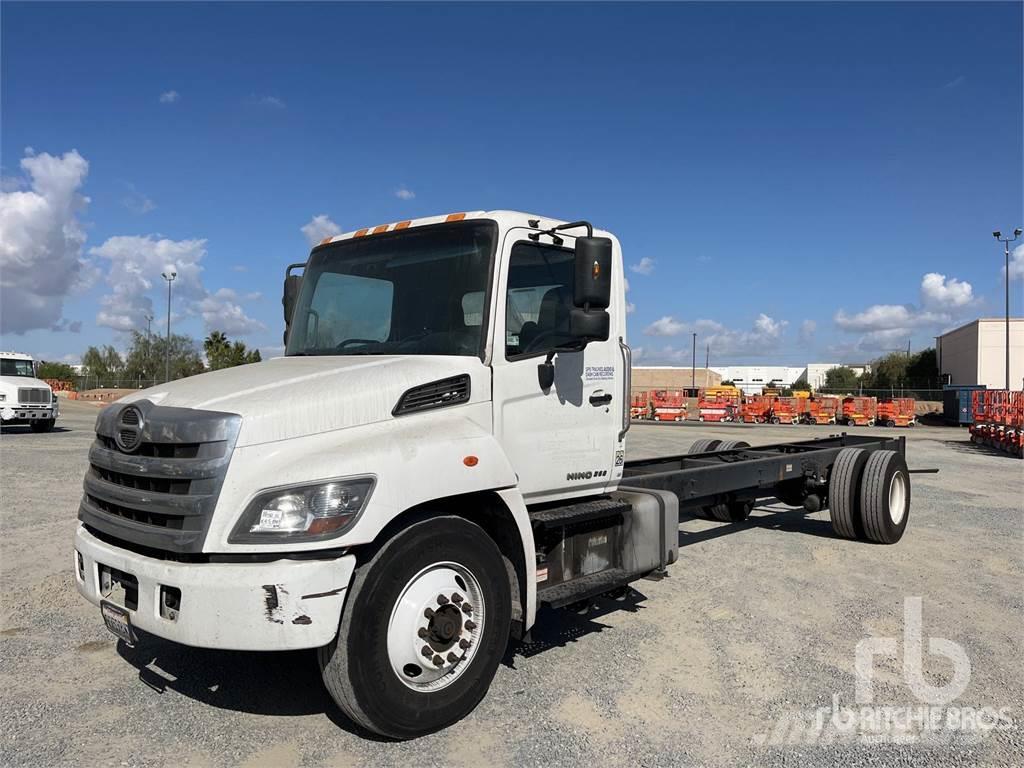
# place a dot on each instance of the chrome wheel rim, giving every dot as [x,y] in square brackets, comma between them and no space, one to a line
[897,497]
[436,626]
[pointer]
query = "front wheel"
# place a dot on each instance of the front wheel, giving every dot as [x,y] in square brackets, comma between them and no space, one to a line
[43,425]
[425,624]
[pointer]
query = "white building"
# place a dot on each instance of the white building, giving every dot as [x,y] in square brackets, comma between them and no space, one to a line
[815,373]
[751,379]
[976,353]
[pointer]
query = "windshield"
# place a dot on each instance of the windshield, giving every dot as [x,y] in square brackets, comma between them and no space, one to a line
[416,292]
[12,367]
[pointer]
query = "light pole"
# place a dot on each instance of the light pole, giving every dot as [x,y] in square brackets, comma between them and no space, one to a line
[693,364]
[149,342]
[1006,249]
[169,276]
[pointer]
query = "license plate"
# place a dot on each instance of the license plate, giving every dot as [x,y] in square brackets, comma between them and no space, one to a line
[118,621]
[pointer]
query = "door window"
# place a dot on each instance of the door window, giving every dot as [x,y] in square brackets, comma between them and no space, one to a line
[538,299]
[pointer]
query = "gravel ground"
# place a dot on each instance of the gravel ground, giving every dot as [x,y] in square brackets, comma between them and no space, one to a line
[755,628]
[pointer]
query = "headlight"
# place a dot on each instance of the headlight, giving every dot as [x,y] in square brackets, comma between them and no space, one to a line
[303,512]
[3,397]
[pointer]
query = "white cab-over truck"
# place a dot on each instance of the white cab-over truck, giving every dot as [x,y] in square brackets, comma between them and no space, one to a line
[440,452]
[24,399]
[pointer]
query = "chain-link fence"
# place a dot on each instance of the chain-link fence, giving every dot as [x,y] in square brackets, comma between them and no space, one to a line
[932,395]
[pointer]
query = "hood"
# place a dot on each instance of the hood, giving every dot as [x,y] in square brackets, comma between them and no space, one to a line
[14,382]
[290,397]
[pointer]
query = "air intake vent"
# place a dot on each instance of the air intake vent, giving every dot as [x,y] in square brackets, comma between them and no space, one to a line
[436,394]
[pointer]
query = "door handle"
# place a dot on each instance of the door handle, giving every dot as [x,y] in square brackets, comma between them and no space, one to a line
[598,400]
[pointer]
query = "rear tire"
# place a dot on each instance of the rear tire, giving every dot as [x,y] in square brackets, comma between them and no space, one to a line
[375,633]
[844,488]
[704,446]
[885,497]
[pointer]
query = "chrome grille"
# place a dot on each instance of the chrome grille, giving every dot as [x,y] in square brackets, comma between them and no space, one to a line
[33,395]
[155,473]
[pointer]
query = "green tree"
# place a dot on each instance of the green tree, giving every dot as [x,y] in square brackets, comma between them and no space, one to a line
[923,369]
[801,385]
[221,353]
[59,371]
[146,362]
[841,377]
[103,365]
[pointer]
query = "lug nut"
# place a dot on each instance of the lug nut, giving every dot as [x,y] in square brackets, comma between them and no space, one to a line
[427,653]
[429,613]
[442,600]
[422,632]
[464,644]
[452,658]
[438,661]
[456,597]
[467,608]
[470,625]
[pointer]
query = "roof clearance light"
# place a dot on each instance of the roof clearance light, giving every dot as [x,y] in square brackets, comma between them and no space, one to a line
[455,217]
[402,224]
[381,228]
[360,233]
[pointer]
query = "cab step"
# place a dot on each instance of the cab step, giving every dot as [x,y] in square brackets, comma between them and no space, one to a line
[581,512]
[559,595]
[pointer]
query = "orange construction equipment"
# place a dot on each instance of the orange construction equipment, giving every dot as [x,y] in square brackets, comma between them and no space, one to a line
[859,411]
[718,404]
[786,410]
[821,409]
[755,409]
[640,405]
[896,412]
[999,420]
[668,404]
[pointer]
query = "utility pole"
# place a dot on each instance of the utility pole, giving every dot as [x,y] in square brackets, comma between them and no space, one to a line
[693,364]
[1006,250]
[169,276]
[707,359]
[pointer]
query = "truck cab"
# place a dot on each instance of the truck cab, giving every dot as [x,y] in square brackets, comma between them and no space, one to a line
[24,399]
[440,377]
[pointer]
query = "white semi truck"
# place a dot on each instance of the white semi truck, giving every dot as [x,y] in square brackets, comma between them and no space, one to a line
[441,450]
[24,399]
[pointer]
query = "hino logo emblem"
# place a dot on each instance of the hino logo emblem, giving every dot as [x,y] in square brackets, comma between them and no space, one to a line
[128,435]
[586,475]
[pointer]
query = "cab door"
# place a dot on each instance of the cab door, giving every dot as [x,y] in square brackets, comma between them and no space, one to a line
[568,440]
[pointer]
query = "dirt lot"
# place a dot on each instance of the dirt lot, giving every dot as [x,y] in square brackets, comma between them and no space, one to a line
[754,630]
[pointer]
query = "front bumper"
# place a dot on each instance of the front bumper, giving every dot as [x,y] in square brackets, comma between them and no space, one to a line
[273,606]
[25,414]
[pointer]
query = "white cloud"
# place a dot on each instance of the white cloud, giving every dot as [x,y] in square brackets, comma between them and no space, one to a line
[136,264]
[270,102]
[239,268]
[887,326]
[644,267]
[404,193]
[320,227]
[938,292]
[169,97]
[763,337]
[41,239]
[807,331]
[136,202]
[665,326]
[1016,263]
[630,307]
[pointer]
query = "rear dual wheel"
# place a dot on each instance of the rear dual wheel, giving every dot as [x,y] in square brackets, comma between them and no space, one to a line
[869,495]
[425,624]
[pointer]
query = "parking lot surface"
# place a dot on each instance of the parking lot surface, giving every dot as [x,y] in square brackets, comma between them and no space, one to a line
[756,627]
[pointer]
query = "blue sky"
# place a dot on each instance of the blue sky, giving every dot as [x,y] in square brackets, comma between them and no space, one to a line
[795,182]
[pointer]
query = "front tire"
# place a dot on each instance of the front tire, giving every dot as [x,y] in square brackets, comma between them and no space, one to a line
[377,669]
[43,425]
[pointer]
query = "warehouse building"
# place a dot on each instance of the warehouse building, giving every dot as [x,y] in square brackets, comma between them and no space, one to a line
[976,353]
[673,377]
[753,378]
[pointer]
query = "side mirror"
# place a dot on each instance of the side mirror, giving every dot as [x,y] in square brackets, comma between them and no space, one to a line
[292,284]
[592,290]
[593,279]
